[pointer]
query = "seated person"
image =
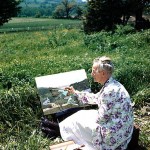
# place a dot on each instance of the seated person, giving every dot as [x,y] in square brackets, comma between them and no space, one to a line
[110,126]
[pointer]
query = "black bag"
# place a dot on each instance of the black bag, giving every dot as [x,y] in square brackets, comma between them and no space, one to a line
[133,144]
[50,128]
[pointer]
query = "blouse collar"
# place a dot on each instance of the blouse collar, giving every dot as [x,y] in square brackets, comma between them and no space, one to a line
[108,81]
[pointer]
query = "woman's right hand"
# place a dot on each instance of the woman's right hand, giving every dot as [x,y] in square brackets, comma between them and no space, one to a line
[70,90]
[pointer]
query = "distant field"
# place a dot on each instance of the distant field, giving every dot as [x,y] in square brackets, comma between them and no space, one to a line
[22,24]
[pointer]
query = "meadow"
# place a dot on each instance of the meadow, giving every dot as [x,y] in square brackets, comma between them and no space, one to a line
[31,24]
[26,55]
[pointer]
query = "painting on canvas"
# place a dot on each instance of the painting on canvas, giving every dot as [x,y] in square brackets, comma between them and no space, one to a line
[52,93]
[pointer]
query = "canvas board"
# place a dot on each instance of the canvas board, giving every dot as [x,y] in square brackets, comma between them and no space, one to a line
[52,93]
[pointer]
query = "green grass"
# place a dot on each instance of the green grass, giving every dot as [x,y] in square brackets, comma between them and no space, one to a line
[26,55]
[29,24]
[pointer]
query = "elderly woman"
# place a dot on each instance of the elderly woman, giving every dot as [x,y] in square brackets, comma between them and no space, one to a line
[109,127]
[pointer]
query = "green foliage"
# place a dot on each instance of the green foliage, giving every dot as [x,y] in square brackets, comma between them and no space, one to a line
[61,37]
[142,96]
[36,24]
[33,141]
[132,45]
[37,53]
[102,14]
[121,30]
[44,11]
[19,112]
[18,100]
[64,9]
[47,8]
[8,9]
[106,14]
[97,41]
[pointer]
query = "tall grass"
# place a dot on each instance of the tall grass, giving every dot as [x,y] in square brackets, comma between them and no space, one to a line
[130,52]
[26,55]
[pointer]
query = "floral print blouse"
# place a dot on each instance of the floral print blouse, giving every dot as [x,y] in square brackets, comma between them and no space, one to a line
[115,119]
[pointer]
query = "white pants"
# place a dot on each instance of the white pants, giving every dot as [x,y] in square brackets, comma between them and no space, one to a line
[79,126]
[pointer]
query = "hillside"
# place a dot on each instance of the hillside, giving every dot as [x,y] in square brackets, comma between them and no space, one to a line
[36,3]
[32,54]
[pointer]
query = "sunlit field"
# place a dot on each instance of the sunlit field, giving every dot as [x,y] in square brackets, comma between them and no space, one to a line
[29,24]
[26,55]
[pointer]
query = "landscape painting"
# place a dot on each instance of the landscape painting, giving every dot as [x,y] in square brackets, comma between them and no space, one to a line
[52,93]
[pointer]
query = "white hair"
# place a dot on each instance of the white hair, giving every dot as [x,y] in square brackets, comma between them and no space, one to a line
[104,63]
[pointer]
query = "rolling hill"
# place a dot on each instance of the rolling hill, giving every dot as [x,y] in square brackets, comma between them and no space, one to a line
[45,2]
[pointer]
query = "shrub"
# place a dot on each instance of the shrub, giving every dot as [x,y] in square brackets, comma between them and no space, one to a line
[142,96]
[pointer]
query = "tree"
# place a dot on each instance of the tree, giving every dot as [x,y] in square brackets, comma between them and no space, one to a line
[136,8]
[79,11]
[105,14]
[68,6]
[8,9]
[65,8]
[58,12]
[102,14]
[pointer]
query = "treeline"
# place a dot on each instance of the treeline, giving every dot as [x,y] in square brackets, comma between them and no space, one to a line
[40,11]
[96,14]
[55,9]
